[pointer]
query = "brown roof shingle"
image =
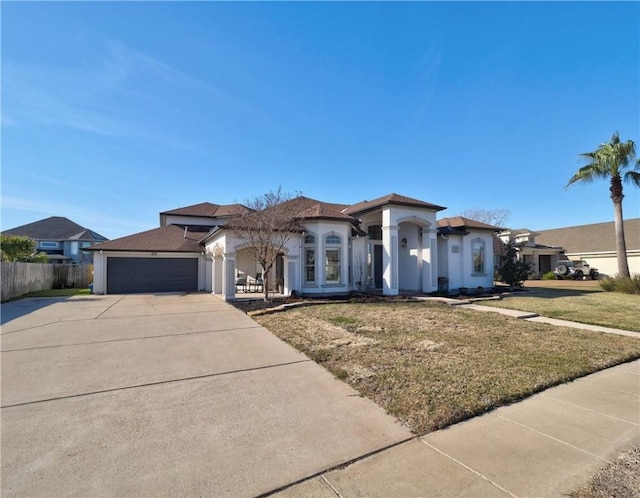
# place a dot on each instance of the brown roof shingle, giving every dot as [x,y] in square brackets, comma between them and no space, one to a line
[210,210]
[169,238]
[401,200]
[462,222]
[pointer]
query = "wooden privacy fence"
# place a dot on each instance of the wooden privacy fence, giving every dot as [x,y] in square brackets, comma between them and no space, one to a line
[21,278]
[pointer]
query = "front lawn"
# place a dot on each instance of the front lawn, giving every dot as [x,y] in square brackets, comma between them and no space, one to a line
[586,304]
[431,365]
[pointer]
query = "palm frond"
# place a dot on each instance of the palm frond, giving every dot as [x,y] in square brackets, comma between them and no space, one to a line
[632,177]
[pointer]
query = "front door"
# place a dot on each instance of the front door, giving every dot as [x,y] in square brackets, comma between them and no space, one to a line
[544,263]
[377,266]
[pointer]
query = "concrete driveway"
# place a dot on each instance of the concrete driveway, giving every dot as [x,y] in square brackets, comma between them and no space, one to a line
[167,395]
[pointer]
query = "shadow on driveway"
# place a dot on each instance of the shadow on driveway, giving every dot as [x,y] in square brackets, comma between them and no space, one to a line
[21,307]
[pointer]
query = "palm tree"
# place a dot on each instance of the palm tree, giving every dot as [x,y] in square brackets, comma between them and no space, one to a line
[613,160]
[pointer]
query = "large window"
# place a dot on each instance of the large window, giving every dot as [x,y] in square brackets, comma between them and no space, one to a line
[309,266]
[309,259]
[478,254]
[332,263]
[332,259]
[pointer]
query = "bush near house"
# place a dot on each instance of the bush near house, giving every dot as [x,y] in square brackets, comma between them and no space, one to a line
[18,248]
[626,285]
[512,271]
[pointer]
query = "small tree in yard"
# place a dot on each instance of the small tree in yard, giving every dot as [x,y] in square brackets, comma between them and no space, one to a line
[18,248]
[266,229]
[512,271]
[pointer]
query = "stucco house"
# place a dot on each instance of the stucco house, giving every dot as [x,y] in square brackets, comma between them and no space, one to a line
[596,244]
[542,258]
[393,244]
[62,240]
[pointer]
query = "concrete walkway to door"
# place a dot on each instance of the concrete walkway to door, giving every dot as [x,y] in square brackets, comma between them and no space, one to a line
[167,395]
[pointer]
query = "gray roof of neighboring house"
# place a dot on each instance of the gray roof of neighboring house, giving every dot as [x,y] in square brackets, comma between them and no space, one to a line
[209,210]
[55,228]
[400,200]
[170,238]
[598,237]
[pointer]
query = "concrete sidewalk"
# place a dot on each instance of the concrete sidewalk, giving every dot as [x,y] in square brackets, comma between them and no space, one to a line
[543,446]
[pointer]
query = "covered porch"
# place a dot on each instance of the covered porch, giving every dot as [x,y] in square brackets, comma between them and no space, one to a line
[238,275]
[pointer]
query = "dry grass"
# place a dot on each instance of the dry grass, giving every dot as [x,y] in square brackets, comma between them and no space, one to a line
[620,479]
[577,302]
[431,365]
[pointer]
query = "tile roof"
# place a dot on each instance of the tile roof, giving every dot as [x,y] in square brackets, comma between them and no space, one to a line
[169,238]
[55,228]
[598,237]
[401,200]
[462,222]
[208,209]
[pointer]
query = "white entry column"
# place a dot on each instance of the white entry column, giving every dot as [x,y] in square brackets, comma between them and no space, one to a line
[390,267]
[429,260]
[228,275]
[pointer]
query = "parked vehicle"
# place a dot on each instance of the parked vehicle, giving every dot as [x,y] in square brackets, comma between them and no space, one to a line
[578,270]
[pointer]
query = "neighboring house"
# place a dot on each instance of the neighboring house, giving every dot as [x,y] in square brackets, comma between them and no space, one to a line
[391,244]
[596,244]
[542,258]
[62,240]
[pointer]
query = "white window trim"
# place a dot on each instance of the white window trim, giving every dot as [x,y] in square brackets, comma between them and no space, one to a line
[313,247]
[484,257]
[332,246]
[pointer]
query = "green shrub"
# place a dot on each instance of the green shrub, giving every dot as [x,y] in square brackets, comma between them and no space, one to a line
[549,276]
[512,271]
[625,285]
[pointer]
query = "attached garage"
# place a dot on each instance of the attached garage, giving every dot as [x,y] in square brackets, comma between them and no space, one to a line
[138,275]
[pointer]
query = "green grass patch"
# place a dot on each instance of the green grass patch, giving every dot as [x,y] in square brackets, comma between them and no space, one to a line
[431,365]
[55,293]
[583,305]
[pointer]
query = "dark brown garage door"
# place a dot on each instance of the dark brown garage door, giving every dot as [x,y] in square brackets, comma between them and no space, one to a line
[135,275]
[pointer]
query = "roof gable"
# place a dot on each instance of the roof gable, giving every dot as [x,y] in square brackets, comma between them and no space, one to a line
[463,223]
[307,208]
[55,228]
[392,198]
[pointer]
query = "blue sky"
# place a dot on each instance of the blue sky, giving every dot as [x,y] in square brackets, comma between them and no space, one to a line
[115,111]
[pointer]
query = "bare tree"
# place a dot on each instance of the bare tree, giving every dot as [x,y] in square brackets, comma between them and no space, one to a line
[495,217]
[266,229]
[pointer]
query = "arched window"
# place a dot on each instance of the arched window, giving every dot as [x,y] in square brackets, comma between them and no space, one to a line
[478,254]
[332,239]
[332,257]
